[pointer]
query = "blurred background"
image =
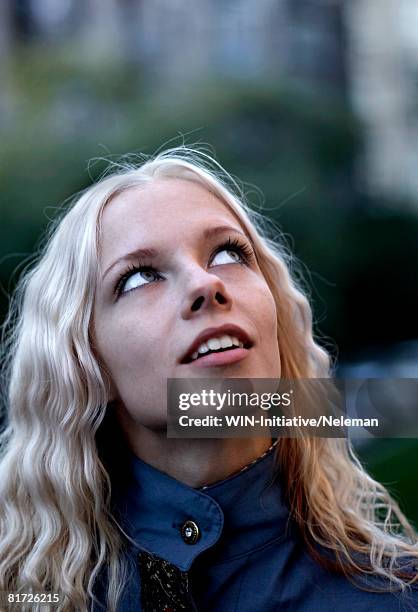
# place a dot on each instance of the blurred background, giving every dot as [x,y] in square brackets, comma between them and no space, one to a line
[313,103]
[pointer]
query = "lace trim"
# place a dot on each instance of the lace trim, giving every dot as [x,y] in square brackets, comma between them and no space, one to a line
[164,588]
[245,466]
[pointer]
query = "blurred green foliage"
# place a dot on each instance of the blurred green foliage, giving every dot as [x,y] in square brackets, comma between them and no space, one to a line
[394,463]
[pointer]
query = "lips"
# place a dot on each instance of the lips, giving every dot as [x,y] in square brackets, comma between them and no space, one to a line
[217,332]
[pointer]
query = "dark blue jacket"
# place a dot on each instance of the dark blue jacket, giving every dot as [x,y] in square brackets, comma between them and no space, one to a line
[247,555]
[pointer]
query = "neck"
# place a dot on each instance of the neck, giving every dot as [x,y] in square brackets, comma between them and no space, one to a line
[195,462]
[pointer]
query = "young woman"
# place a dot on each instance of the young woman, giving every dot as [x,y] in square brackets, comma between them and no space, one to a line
[151,271]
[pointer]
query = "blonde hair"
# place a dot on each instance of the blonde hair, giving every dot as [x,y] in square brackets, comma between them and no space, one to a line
[57,531]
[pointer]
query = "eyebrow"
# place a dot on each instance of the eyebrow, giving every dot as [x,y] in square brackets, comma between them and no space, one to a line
[149,252]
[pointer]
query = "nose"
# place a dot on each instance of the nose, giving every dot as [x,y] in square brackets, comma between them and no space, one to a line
[205,292]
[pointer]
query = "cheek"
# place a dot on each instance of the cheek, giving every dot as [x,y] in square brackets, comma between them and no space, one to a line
[132,354]
[130,351]
[265,306]
[134,369]
[122,346]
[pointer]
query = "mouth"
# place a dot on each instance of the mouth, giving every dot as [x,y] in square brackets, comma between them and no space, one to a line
[221,358]
[218,346]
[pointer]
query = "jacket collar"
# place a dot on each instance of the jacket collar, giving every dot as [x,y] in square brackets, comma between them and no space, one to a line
[235,516]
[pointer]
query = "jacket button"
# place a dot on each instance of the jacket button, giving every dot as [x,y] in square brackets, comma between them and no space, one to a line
[190,532]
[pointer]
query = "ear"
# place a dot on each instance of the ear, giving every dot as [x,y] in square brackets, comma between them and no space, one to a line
[113,394]
[111,390]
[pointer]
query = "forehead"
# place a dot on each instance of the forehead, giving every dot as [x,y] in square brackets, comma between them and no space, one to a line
[161,211]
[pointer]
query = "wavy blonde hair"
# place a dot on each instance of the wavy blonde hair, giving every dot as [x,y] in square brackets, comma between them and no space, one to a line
[57,531]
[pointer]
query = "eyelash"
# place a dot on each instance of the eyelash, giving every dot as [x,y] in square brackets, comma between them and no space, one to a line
[244,250]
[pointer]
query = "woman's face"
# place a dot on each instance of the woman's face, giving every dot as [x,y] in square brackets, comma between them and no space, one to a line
[196,273]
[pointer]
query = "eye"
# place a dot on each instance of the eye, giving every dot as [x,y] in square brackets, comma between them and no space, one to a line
[135,277]
[232,251]
[226,256]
